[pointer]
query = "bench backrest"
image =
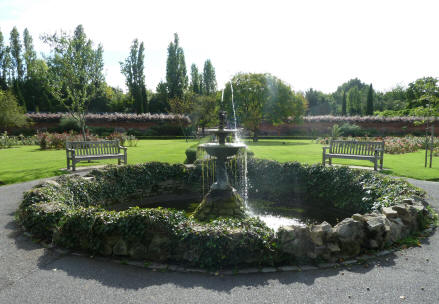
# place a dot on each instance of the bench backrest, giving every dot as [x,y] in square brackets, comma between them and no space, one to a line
[356,147]
[83,148]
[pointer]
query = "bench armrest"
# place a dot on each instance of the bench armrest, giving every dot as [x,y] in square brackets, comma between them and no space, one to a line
[325,148]
[71,152]
[123,148]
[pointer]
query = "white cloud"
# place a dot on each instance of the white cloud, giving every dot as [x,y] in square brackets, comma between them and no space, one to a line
[317,44]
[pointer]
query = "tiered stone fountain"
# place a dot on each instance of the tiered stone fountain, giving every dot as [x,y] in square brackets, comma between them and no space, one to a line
[222,200]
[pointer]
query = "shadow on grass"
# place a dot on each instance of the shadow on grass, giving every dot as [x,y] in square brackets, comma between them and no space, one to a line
[275,143]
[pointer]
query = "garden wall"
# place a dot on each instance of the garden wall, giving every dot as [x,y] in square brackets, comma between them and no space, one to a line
[374,126]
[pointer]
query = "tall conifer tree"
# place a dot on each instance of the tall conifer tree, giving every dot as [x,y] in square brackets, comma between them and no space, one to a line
[369,105]
[176,74]
[209,78]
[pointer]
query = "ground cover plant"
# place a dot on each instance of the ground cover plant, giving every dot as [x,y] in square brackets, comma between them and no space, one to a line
[75,213]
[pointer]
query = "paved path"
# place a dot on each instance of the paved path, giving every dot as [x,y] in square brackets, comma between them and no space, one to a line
[32,274]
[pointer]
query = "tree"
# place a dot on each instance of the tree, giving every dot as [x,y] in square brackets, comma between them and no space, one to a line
[204,111]
[75,71]
[16,48]
[369,105]
[426,86]
[133,69]
[184,107]
[11,114]
[17,65]
[260,97]
[176,77]
[318,102]
[159,102]
[29,53]
[209,78]
[343,105]
[354,101]
[4,64]
[196,78]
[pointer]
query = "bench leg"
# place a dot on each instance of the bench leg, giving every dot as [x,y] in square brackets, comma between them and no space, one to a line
[73,165]
[324,159]
[118,161]
[381,164]
[330,161]
[68,164]
[375,165]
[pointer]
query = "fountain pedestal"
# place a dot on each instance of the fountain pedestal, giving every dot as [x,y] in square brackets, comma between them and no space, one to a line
[222,200]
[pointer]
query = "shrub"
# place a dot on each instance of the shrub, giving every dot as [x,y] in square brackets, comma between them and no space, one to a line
[67,124]
[348,129]
[58,141]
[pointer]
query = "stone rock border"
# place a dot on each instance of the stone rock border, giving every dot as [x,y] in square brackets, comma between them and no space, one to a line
[356,234]
[159,267]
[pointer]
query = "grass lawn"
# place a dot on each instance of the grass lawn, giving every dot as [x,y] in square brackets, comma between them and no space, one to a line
[26,163]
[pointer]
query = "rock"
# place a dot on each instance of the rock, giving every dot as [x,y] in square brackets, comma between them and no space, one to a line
[349,230]
[286,234]
[120,248]
[408,201]
[138,251]
[358,217]
[159,247]
[351,235]
[296,240]
[373,244]
[320,232]
[333,247]
[52,183]
[389,212]
[106,250]
[397,229]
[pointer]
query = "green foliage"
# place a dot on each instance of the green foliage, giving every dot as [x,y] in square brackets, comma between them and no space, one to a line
[348,129]
[335,131]
[353,190]
[209,79]
[196,80]
[176,77]
[76,72]
[67,124]
[369,105]
[261,97]
[11,114]
[133,70]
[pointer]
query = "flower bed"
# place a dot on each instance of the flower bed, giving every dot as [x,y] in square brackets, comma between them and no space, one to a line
[73,212]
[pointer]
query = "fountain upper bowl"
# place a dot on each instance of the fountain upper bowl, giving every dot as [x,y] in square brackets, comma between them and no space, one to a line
[224,150]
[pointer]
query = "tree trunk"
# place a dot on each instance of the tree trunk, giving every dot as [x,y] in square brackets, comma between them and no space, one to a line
[255,135]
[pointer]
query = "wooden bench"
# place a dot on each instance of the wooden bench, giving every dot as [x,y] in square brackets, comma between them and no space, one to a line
[91,150]
[362,150]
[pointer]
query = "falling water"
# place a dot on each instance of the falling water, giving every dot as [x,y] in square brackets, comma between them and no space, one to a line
[237,138]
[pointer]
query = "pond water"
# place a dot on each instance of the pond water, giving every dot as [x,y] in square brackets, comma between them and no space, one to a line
[274,214]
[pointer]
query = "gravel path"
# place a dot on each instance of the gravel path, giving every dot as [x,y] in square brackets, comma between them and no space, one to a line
[32,274]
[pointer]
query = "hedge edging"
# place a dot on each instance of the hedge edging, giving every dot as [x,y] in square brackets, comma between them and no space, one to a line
[55,214]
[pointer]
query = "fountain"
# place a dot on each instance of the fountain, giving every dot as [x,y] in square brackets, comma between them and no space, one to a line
[222,199]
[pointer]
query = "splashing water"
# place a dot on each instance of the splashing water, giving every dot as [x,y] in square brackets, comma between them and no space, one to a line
[237,138]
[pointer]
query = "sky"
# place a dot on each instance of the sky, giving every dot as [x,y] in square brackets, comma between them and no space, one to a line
[308,44]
